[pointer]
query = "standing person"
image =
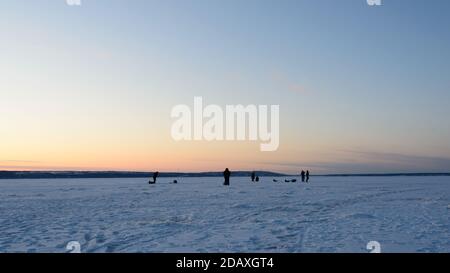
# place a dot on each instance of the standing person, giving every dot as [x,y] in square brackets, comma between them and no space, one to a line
[226,175]
[253,176]
[307,176]
[303,175]
[155,175]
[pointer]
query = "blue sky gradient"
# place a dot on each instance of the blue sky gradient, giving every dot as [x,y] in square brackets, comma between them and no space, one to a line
[350,79]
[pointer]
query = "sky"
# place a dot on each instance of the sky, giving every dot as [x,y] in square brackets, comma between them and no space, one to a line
[361,89]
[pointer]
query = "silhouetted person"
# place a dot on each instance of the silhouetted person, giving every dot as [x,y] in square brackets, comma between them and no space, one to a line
[226,175]
[307,176]
[253,176]
[303,175]
[257,179]
[155,175]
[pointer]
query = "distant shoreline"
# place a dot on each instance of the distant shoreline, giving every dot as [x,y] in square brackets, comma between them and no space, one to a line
[122,174]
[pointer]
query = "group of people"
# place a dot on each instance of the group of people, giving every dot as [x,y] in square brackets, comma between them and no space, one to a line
[227,174]
[305,175]
[254,177]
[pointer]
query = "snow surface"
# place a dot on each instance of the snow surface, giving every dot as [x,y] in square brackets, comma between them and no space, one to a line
[330,214]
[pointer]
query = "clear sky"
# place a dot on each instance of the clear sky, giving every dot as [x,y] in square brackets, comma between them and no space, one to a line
[91,87]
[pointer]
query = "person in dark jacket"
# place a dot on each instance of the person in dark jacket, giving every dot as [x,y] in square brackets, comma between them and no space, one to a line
[155,175]
[307,176]
[253,176]
[303,175]
[226,175]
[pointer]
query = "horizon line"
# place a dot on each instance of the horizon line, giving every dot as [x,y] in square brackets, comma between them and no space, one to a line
[193,173]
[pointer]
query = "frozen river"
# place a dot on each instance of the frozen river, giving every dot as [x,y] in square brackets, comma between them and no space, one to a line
[330,214]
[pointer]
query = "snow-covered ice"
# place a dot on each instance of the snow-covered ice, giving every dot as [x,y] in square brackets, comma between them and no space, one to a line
[330,214]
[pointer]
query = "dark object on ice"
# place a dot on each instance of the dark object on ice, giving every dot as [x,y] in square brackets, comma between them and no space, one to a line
[253,176]
[155,175]
[175,181]
[307,176]
[287,180]
[294,180]
[303,175]
[275,180]
[226,175]
[257,179]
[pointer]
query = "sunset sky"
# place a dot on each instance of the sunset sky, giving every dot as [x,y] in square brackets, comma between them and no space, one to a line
[361,89]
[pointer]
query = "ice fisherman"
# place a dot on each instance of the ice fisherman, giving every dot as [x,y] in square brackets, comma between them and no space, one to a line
[226,175]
